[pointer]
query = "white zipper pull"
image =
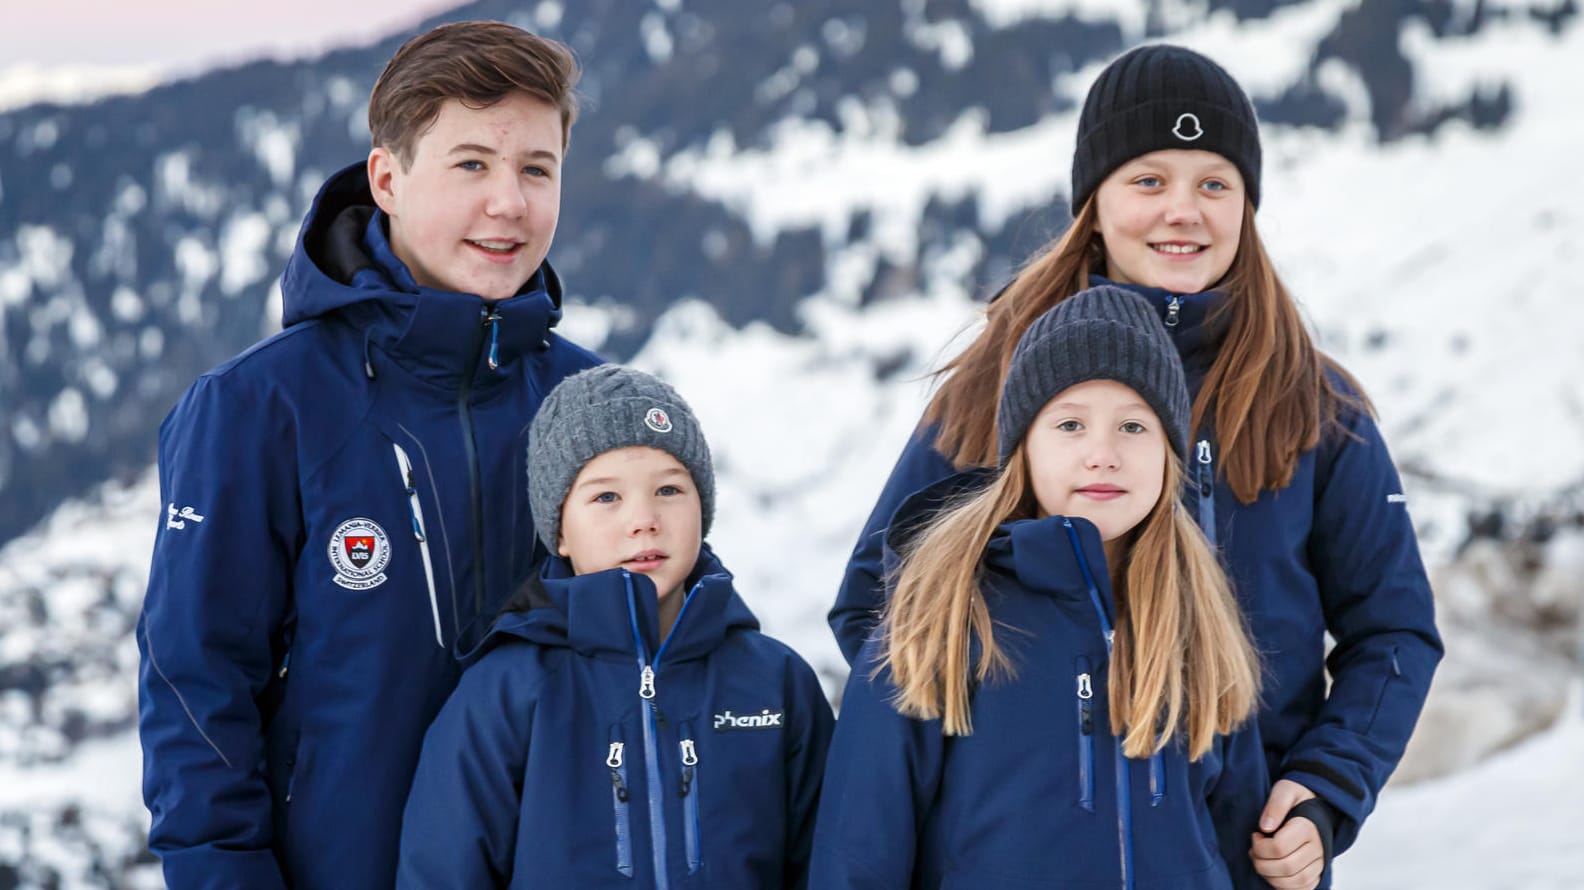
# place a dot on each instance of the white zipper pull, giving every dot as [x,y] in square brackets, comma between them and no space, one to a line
[1085,691]
[614,758]
[1171,311]
[646,683]
[689,754]
[1204,451]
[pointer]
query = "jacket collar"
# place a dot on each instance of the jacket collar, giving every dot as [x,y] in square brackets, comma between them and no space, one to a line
[1200,322]
[597,613]
[1042,554]
[343,266]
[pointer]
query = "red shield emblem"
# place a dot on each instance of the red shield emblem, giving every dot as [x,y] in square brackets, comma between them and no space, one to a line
[359,549]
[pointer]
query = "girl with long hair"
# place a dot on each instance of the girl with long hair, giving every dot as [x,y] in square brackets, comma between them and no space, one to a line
[1288,476]
[1061,661]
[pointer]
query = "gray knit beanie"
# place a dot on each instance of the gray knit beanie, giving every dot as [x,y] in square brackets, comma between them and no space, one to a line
[601,409]
[1103,333]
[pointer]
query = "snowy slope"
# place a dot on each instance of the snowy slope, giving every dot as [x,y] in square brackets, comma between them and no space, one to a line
[1443,271]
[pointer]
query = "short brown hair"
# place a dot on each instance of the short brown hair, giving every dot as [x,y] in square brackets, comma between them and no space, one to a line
[477,63]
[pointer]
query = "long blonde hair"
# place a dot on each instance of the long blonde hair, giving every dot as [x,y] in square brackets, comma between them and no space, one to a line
[1181,659]
[1268,387]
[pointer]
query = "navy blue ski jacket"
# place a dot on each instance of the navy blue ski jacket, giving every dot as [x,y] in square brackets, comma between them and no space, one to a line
[1040,794]
[1333,552]
[345,507]
[581,750]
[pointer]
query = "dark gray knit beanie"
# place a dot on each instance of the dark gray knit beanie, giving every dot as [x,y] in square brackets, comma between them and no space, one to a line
[601,409]
[1103,333]
[1158,97]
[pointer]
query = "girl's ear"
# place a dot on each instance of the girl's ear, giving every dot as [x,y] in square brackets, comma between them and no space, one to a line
[561,546]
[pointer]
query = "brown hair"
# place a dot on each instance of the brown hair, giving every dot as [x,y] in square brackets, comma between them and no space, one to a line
[1181,657]
[1268,386]
[476,63]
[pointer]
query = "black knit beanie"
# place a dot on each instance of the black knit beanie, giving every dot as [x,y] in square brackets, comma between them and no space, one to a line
[1103,333]
[601,409]
[1158,97]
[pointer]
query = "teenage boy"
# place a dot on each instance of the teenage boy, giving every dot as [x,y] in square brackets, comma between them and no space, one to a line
[344,506]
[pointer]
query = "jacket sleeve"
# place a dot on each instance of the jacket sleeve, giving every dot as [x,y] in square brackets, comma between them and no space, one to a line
[1236,801]
[460,825]
[1379,609]
[862,593]
[209,634]
[880,779]
[806,749]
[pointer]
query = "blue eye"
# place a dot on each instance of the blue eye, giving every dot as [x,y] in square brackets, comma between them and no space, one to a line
[1069,426]
[471,165]
[1132,426]
[1148,182]
[1214,185]
[536,171]
[667,491]
[605,497]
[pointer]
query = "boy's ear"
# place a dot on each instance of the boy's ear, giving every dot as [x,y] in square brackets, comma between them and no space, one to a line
[382,167]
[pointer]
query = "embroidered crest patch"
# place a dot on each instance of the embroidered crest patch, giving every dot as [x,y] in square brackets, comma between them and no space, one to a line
[359,551]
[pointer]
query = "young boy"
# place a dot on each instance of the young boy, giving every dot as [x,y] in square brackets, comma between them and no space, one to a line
[343,502]
[627,725]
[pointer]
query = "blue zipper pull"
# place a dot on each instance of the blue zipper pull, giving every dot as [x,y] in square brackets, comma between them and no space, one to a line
[492,321]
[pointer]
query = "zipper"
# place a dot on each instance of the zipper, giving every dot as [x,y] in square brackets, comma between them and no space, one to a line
[690,799]
[405,466]
[470,450]
[651,732]
[615,760]
[1123,786]
[1172,310]
[1205,473]
[1157,777]
[1085,737]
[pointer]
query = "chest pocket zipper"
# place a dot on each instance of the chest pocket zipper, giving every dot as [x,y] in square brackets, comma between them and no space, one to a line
[690,801]
[405,466]
[616,761]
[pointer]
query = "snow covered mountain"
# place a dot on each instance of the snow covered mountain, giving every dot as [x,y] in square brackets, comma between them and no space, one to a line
[788,211]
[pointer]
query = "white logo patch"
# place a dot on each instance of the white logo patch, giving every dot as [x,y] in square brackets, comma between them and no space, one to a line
[359,550]
[1396,499]
[175,518]
[765,719]
[657,421]
[1187,128]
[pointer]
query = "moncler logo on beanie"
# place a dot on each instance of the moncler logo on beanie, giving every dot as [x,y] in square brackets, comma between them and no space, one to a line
[1187,128]
[601,409]
[1159,97]
[657,420]
[1103,333]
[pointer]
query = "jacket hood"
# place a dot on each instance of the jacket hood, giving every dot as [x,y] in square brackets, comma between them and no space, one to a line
[343,266]
[598,613]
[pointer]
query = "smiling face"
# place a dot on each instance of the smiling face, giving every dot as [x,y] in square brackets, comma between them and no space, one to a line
[634,508]
[1097,451]
[476,209]
[1171,219]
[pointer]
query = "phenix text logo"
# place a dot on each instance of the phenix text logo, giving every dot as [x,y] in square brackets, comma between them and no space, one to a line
[765,719]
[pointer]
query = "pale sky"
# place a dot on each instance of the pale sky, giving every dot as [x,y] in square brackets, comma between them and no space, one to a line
[183,36]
